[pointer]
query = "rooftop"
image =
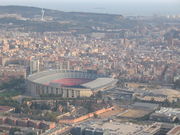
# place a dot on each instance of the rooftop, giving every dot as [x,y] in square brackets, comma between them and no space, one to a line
[4,109]
[174,131]
[99,82]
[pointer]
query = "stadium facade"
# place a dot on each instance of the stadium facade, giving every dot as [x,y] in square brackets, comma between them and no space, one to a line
[68,83]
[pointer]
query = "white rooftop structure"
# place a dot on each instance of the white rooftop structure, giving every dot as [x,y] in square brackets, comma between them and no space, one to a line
[99,82]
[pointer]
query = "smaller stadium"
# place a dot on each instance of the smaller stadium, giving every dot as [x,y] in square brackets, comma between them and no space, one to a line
[68,83]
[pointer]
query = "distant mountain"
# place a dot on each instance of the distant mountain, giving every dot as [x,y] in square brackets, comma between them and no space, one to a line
[76,20]
[30,12]
[21,10]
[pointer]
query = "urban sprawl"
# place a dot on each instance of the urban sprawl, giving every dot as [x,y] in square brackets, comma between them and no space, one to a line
[138,94]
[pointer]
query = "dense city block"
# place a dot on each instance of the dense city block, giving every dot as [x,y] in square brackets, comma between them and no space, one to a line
[72,73]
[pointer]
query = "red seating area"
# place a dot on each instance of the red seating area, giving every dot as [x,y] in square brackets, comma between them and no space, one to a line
[71,81]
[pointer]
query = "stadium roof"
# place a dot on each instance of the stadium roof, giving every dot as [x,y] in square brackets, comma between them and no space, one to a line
[98,83]
[71,78]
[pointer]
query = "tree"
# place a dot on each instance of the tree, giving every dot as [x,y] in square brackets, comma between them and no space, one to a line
[177,83]
[13,130]
[166,103]
[50,116]
[99,94]
[17,84]
[31,133]
[95,115]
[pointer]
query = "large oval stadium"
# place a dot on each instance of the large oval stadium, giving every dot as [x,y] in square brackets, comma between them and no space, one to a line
[68,83]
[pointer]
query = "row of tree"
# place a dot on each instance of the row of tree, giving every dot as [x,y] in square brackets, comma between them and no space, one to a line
[17,84]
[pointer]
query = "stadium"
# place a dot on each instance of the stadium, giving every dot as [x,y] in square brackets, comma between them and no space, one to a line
[68,83]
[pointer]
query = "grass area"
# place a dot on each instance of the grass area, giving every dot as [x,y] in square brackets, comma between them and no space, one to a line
[9,93]
[132,113]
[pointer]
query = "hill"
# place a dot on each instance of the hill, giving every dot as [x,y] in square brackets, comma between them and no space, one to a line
[60,20]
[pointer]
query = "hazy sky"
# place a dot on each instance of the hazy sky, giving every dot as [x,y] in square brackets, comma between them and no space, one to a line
[2,2]
[126,7]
